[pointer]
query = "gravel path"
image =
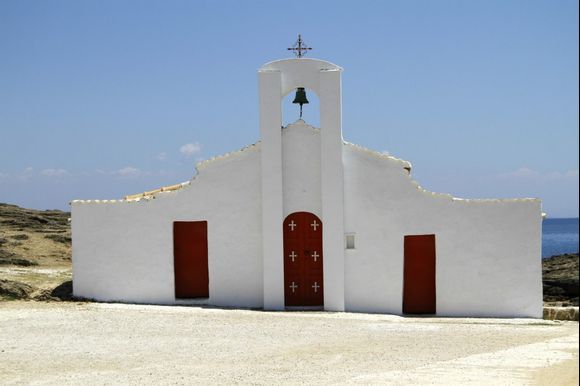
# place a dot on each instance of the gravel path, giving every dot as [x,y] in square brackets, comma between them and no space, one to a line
[80,343]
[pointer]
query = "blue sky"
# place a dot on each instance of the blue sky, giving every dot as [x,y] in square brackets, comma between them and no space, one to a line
[99,99]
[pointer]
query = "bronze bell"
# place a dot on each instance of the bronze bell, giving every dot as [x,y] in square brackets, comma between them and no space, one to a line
[300,98]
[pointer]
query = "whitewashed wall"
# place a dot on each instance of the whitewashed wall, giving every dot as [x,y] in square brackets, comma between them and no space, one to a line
[277,79]
[301,166]
[123,251]
[488,251]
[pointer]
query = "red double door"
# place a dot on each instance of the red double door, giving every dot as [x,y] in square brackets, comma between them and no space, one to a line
[303,278]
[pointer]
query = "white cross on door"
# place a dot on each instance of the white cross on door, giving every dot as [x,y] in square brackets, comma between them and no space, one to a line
[292,256]
[315,255]
[314,225]
[293,286]
[292,225]
[315,286]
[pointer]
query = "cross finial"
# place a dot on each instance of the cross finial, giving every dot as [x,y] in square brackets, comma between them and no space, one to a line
[299,47]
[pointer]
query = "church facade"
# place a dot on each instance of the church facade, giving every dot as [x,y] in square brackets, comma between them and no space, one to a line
[304,220]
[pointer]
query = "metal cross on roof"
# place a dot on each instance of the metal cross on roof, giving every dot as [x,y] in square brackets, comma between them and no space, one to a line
[299,47]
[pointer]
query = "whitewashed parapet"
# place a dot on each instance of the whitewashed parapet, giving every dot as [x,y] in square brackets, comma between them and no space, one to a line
[203,164]
[151,194]
[74,202]
[404,164]
[407,166]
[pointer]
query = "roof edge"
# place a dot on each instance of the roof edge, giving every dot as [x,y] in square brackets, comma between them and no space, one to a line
[325,65]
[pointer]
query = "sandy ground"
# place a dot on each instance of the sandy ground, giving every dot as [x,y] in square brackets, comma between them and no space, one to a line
[82,343]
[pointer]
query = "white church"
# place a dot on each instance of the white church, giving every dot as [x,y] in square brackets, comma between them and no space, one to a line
[304,220]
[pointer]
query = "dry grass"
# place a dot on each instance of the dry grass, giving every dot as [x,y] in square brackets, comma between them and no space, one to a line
[35,248]
[41,278]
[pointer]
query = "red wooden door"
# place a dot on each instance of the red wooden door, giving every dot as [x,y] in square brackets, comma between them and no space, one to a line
[419,275]
[190,259]
[303,278]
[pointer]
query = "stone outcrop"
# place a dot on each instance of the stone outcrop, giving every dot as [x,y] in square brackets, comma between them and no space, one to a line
[561,313]
[560,279]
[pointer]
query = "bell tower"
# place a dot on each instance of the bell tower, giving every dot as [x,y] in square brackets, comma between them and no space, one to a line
[276,80]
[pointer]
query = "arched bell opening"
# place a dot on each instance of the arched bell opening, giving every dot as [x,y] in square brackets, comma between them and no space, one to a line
[310,109]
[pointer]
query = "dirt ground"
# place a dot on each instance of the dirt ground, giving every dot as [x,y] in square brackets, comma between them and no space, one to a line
[80,343]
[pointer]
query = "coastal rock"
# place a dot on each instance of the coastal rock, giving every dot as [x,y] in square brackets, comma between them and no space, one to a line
[561,313]
[14,289]
[63,291]
[560,280]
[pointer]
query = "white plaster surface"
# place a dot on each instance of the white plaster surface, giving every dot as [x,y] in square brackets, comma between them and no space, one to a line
[332,181]
[276,79]
[488,251]
[124,251]
[304,72]
[272,190]
[301,159]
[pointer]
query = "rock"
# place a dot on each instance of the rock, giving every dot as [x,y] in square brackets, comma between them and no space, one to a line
[9,258]
[20,237]
[59,238]
[561,313]
[61,292]
[39,219]
[560,279]
[15,289]
[16,261]
[6,255]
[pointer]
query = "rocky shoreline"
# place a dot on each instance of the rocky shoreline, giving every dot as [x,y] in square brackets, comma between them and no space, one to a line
[560,279]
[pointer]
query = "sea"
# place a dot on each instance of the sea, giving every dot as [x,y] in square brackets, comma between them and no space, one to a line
[559,236]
